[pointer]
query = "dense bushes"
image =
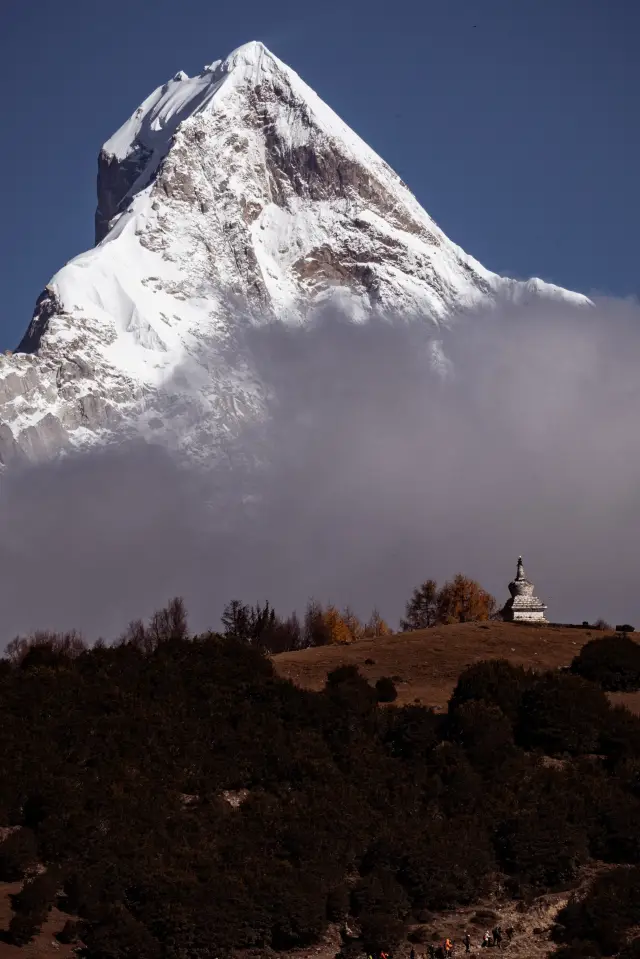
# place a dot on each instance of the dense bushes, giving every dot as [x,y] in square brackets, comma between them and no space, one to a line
[495,681]
[563,714]
[196,804]
[542,848]
[70,932]
[606,913]
[380,927]
[23,927]
[613,662]
[31,906]
[37,894]
[556,713]
[17,852]
[485,733]
[448,865]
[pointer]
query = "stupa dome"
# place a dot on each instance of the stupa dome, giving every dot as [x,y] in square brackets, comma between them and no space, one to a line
[520,586]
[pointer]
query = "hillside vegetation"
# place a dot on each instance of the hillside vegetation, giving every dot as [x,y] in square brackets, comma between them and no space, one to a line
[174,797]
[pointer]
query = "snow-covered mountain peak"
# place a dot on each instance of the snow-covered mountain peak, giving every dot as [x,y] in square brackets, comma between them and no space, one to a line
[235,196]
[251,57]
[156,120]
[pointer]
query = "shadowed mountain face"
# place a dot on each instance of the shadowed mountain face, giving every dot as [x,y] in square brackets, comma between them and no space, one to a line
[227,200]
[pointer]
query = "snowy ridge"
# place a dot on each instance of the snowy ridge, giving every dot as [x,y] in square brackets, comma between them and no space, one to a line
[228,198]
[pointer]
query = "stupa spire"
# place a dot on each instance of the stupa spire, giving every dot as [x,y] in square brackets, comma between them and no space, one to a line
[524,606]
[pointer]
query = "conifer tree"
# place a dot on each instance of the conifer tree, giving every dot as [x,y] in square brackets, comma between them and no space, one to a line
[420,612]
[316,631]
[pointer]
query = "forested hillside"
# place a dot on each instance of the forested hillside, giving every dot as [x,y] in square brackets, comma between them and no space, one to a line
[182,800]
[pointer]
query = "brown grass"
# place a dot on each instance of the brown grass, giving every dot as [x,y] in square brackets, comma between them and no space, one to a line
[428,662]
[630,700]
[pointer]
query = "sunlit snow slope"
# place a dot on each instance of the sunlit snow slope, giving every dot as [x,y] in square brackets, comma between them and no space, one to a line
[228,198]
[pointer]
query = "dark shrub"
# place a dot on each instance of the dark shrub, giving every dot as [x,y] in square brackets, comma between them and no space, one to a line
[338,903]
[299,918]
[563,714]
[379,892]
[36,808]
[615,834]
[459,786]
[344,674]
[419,935]
[448,865]
[620,739]
[541,835]
[18,851]
[348,687]
[119,936]
[386,690]
[577,950]
[81,895]
[381,932]
[412,732]
[495,681]
[628,774]
[603,916]
[70,932]
[612,662]
[351,949]
[484,732]
[24,927]
[631,951]
[43,654]
[541,848]
[36,895]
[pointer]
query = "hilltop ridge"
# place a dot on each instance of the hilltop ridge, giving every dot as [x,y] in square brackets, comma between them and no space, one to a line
[428,662]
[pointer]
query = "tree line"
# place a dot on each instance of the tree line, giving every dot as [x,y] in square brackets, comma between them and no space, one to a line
[461,600]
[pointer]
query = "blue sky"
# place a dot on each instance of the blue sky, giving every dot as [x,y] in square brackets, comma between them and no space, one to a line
[513,121]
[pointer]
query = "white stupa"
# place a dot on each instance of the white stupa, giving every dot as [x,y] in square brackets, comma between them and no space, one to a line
[523,607]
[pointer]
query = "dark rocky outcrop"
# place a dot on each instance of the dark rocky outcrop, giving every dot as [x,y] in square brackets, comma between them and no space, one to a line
[47,306]
[115,180]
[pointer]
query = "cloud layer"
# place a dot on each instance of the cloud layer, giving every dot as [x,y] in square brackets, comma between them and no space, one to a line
[376,473]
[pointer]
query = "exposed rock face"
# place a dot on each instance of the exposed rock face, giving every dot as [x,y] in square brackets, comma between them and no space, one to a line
[232,197]
[115,179]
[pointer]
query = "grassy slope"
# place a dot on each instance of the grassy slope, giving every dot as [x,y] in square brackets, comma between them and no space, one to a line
[429,661]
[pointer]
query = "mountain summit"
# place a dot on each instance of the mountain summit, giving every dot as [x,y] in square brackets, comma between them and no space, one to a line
[231,197]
